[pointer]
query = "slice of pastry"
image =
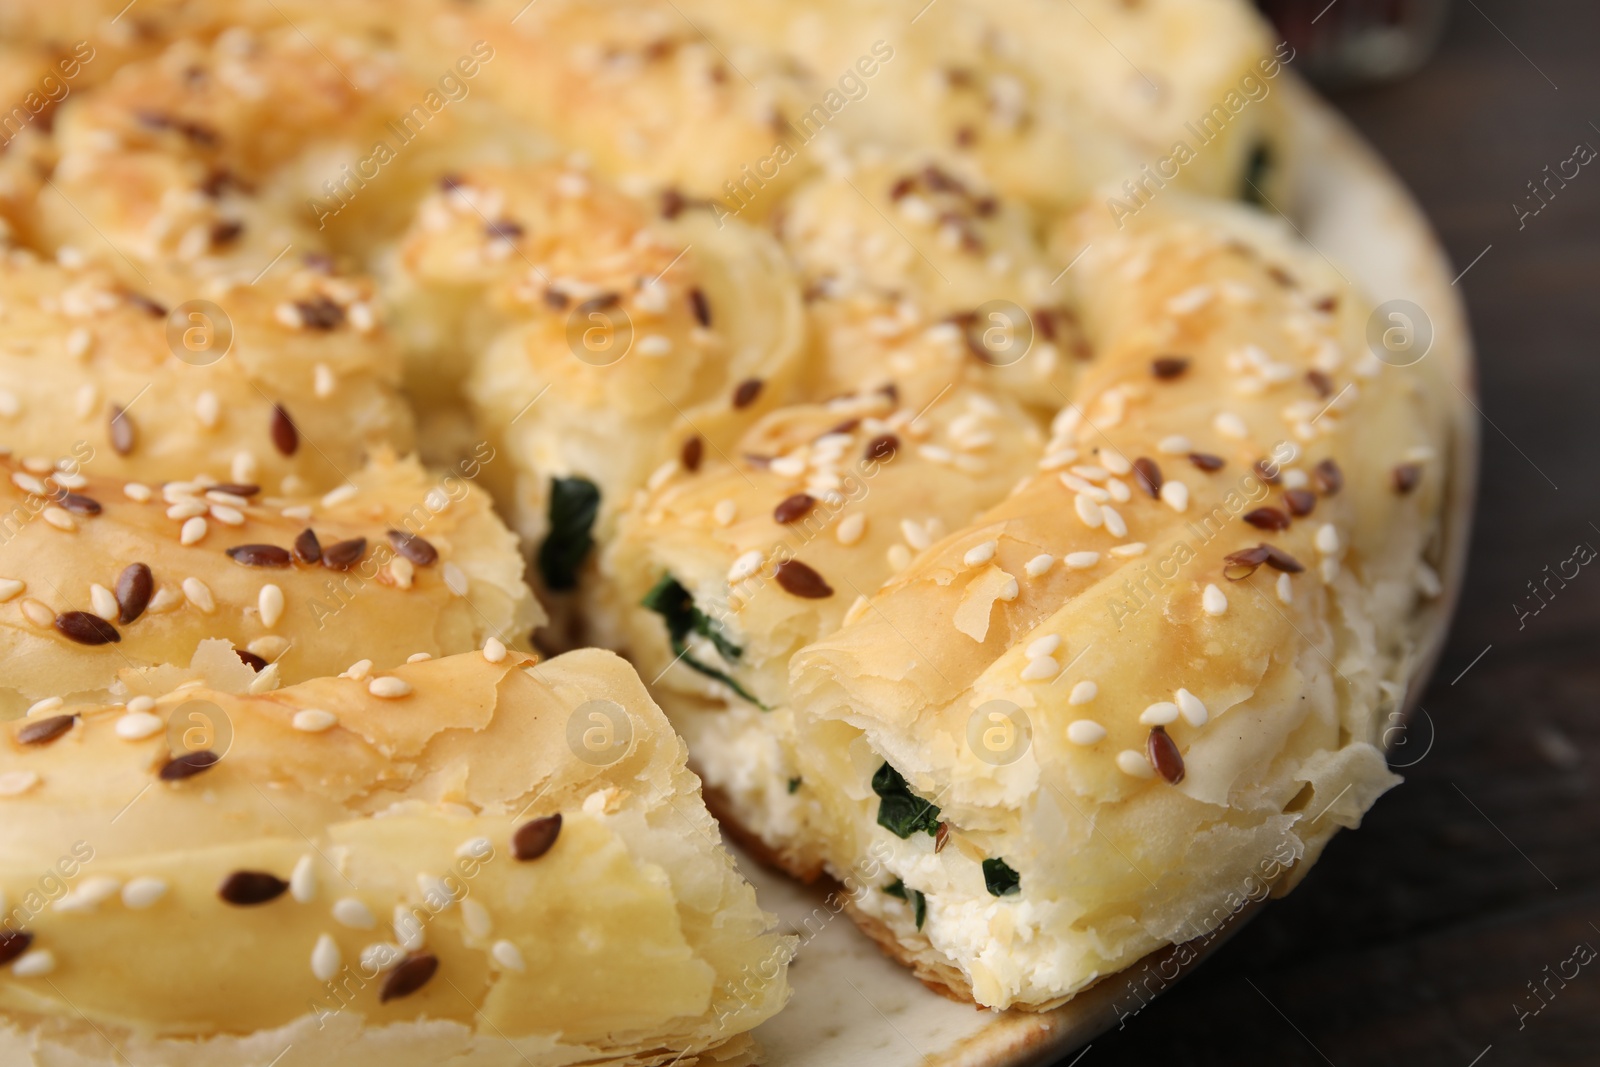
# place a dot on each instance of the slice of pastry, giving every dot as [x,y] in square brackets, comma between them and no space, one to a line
[491,860]
[1141,688]
[723,571]
[287,384]
[98,575]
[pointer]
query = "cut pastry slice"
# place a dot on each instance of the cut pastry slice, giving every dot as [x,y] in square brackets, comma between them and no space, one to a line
[1151,681]
[684,328]
[97,575]
[286,383]
[725,570]
[490,860]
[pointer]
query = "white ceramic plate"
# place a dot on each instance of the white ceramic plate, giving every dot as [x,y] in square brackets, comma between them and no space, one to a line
[854,1006]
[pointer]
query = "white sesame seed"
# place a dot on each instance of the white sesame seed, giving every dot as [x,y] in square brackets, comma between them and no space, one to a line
[1058,459]
[1119,490]
[303,880]
[1092,515]
[34,964]
[27,483]
[38,613]
[1083,692]
[407,929]
[103,602]
[380,956]
[1134,764]
[89,894]
[1175,445]
[314,720]
[1081,561]
[270,603]
[389,687]
[199,594]
[1229,425]
[725,512]
[494,650]
[899,557]
[402,571]
[1088,489]
[16,783]
[69,479]
[1175,495]
[138,725]
[1115,526]
[362,317]
[37,465]
[323,382]
[265,681]
[164,601]
[60,518]
[48,704]
[137,491]
[11,588]
[655,345]
[1038,565]
[1085,731]
[1129,550]
[476,918]
[1089,472]
[746,565]
[1044,646]
[981,553]
[193,531]
[208,409]
[227,515]
[1040,668]
[1160,713]
[333,498]
[87,400]
[915,533]
[1329,570]
[1285,589]
[186,509]
[1190,706]
[1213,600]
[455,579]
[79,342]
[358,670]
[141,893]
[851,528]
[508,956]
[348,911]
[299,513]
[1327,539]
[419,657]
[243,467]
[326,959]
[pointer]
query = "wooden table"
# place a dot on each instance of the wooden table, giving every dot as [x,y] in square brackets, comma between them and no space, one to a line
[1418,938]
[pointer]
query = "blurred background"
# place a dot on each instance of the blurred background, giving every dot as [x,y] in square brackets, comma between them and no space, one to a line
[1460,926]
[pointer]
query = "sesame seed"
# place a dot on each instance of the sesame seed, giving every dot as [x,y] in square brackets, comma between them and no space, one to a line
[1129,550]
[746,565]
[1175,445]
[323,381]
[16,783]
[326,959]
[402,571]
[1044,646]
[34,964]
[138,492]
[1078,485]
[138,725]
[69,480]
[226,515]
[1092,515]
[1175,495]
[37,613]
[851,528]
[1285,589]
[1115,526]
[193,531]
[141,893]
[455,579]
[1159,714]
[725,512]
[1229,425]
[47,704]
[199,594]
[1327,539]
[389,687]
[103,602]
[508,956]
[1083,692]
[1085,731]
[1213,600]
[1040,668]
[334,497]
[1164,756]
[89,894]
[348,911]
[1134,764]
[977,554]
[494,650]
[78,342]
[60,518]
[419,657]
[10,588]
[1038,565]
[1193,710]
[1010,590]
[208,409]
[1080,561]
[899,557]
[358,670]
